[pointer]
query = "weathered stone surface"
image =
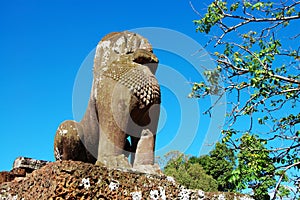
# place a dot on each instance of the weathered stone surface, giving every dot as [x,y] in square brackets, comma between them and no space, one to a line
[21,167]
[119,162]
[144,152]
[11,175]
[68,145]
[144,156]
[6,177]
[124,100]
[78,180]
[29,164]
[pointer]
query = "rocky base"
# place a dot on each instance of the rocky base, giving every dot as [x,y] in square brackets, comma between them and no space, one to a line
[78,180]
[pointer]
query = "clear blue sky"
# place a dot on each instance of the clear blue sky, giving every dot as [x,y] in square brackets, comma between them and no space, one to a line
[42,46]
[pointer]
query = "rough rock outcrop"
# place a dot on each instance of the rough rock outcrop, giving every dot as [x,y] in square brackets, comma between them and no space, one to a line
[21,167]
[29,164]
[124,101]
[78,180]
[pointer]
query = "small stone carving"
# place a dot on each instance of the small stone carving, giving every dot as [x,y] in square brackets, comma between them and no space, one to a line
[124,101]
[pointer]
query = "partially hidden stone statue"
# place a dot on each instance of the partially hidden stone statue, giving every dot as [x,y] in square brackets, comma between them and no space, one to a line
[123,110]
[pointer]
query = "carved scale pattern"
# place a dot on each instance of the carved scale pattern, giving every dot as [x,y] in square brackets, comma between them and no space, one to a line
[139,80]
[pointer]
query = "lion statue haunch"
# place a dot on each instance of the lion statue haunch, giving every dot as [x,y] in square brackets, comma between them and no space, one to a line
[124,102]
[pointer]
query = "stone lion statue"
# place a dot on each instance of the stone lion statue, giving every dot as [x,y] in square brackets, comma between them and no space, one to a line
[123,110]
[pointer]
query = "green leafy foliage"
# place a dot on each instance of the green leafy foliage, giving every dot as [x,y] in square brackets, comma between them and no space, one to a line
[219,164]
[257,56]
[191,175]
[213,16]
[255,167]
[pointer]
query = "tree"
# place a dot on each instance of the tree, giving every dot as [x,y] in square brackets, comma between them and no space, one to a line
[256,50]
[219,164]
[255,167]
[191,175]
